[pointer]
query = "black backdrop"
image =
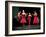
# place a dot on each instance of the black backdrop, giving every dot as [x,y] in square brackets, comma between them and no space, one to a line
[15,10]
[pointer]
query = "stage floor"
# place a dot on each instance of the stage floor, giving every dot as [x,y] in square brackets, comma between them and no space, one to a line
[25,27]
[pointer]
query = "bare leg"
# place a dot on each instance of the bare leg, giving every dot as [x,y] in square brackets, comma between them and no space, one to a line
[29,25]
[23,26]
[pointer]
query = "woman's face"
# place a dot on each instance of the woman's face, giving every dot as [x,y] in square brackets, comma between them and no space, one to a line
[29,13]
[35,13]
[23,11]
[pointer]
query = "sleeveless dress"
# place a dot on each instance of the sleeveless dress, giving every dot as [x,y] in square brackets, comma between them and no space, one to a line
[23,19]
[29,19]
[35,21]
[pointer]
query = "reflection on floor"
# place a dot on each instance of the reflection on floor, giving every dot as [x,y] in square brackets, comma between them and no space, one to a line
[25,27]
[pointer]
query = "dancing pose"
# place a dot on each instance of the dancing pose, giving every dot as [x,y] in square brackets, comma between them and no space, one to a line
[36,20]
[23,18]
[29,20]
[19,16]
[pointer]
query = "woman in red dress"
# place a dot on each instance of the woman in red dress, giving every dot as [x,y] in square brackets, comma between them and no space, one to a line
[23,18]
[29,20]
[19,16]
[36,20]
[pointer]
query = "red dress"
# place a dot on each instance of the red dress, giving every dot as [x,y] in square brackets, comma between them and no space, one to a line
[29,19]
[23,19]
[35,21]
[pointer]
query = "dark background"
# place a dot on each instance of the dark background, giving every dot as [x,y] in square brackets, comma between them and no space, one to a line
[15,10]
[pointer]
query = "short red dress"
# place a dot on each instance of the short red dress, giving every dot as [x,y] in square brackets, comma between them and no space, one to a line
[23,19]
[35,21]
[29,19]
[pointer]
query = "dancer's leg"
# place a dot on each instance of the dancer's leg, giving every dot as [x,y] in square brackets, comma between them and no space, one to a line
[29,25]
